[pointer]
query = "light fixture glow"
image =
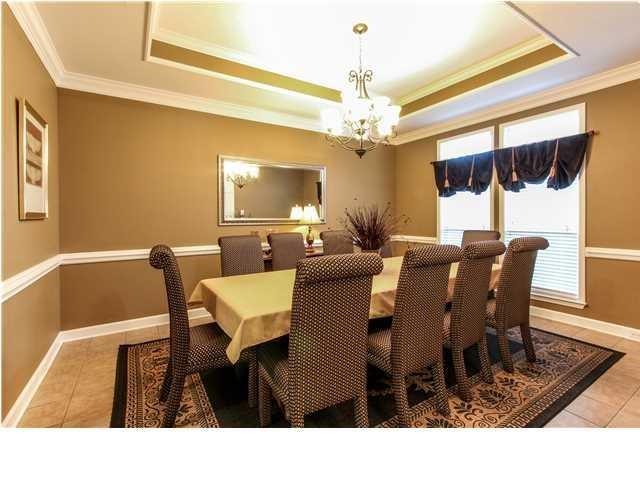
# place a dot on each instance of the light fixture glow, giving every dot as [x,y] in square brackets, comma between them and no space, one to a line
[241,173]
[364,123]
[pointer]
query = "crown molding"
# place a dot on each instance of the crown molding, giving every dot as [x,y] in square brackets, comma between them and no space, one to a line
[576,88]
[31,22]
[477,68]
[115,88]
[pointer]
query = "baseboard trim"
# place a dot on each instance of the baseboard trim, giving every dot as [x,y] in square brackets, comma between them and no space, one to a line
[585,322]
[16,412]
[13,417]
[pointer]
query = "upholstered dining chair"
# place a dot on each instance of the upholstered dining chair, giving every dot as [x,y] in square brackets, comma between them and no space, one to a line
[336,241]
[510,308]
[191,350]
[470,236]
[414,340]
[465,323]
[325,362]
[286,249]
[240,255]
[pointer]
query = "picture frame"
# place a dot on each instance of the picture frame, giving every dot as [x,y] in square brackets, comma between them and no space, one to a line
[33,160]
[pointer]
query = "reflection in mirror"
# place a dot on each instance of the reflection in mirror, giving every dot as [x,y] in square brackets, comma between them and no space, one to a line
[252,191]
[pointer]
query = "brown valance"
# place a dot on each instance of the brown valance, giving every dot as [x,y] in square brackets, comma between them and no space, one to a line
[558,161]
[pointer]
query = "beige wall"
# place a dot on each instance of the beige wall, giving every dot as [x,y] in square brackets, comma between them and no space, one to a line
[135,174]
[31,319]
[612,196]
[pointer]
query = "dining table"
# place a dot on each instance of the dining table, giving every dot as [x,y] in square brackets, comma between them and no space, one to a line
[256,308]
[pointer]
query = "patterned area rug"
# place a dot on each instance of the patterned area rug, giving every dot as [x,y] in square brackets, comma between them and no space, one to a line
[529,397]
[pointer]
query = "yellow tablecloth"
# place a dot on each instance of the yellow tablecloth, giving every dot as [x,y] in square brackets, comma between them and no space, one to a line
[253,309]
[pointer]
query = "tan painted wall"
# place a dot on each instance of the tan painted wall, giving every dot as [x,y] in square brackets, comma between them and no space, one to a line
[31,319]
[612,196]
[136,174]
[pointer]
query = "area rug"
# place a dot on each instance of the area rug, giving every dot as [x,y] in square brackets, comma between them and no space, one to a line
[529,397]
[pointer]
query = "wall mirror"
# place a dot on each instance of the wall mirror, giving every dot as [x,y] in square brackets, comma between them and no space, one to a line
[256,192]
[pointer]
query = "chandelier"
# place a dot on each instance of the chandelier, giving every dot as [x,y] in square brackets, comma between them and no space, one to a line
[362,123]
[241,173]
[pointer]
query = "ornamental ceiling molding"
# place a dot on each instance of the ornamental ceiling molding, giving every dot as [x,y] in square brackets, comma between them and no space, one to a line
[33,26]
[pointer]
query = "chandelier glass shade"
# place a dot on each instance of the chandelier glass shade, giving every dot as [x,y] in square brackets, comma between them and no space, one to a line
[241,173]
[363,122]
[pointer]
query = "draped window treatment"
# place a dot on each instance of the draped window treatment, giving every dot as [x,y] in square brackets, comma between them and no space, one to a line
[558,161]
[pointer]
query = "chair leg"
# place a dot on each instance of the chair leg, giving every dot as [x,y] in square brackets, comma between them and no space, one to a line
[166,384]
[464,391]
[442,397]
[530,352]
[360,410]
[173,403]
[485,360]
[402,403]
[505,353]
[253,379]
[297,420]
[264,401]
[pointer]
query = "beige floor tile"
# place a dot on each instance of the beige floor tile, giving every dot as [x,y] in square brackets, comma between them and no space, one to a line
[597,338]
[142,335]
[52,392]
[89,405]
[564,329]
[625,420]
[633,405]
[100,421]
[47,415]
[628,346]
[76,348]
[568,420]
[540,323]
[108,342]
[596,412]
[89,383]
[628,365]
[613,388]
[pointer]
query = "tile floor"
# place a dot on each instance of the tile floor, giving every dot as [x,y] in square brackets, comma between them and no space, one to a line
[78,389]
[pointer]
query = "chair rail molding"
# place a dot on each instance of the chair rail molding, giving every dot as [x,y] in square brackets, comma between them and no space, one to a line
[413,239]
[613,253]
[15,284]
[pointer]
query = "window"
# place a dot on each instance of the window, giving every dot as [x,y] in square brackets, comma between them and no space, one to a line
[464,210]
[555,215]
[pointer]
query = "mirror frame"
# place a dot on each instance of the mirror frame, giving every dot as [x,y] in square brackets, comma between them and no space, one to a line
[268,221]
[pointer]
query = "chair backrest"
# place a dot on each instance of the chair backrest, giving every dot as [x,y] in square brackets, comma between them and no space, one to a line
[240,255]
[162,257]
[470,236]
[469,303]
[514,291]
[335,242]
[286,249]
[421,297]
[385,250]
[329,322]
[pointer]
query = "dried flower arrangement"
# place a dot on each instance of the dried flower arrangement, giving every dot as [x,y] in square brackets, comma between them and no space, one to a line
[370,226]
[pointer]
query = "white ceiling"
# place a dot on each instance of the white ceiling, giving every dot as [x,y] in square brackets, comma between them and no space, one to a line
[409,45]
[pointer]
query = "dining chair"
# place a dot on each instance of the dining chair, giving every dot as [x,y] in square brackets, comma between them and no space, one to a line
[286,249]
[510,308]
[325,362]
[470,236]
[241,254]
[191,350]
[414,340]
[336,241]
[465,323]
